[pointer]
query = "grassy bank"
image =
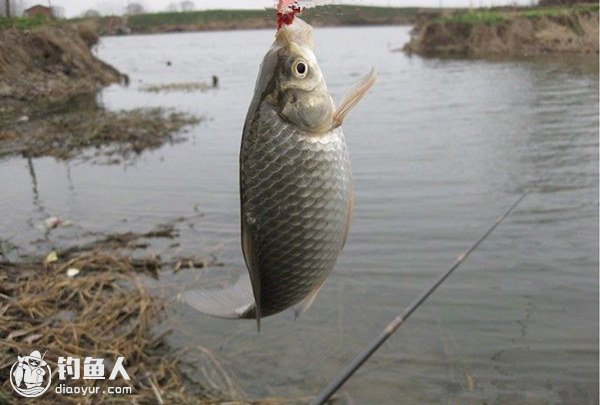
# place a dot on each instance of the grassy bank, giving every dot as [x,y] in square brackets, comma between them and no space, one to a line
[509,32]
[24,22]
[500,15]
[331,15]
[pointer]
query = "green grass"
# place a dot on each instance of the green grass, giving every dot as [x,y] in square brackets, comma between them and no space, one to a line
[556,11]
[25,22]
[143,21]
[330,13]
[500,15]
[474,17]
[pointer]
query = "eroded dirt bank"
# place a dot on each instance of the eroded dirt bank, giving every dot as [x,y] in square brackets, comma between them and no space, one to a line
[51,62]
[49,78]
[508,34]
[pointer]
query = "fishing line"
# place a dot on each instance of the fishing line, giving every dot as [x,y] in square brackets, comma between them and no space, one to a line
[393,326]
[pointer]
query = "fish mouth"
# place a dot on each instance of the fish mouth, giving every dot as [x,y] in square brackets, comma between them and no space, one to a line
[297,32]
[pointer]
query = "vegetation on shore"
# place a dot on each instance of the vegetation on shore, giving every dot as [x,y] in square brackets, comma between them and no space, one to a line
[509,32]
[500,15]
[327,15]
[103,312]
[24,22]
[330,15]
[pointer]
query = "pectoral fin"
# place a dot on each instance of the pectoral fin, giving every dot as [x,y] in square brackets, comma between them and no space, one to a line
[251,263]
[353,95]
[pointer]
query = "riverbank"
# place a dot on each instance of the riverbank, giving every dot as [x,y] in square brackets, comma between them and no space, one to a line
[209,20]
[49,79]
[506,32]
[51,62]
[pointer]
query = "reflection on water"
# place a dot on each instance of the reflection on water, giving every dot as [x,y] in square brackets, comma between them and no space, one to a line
[440,148]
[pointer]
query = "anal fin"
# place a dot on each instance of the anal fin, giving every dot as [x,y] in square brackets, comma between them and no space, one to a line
[232,302]
[307,302]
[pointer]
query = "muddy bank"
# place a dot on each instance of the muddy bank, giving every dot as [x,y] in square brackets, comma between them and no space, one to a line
[49,78]
[51,62]
[79,127]
[509,33]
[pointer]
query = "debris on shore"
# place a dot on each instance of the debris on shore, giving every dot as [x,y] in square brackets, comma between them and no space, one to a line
[187,87]
[100,312]
[94,300]
[95,303]
[83,129]
[505,32]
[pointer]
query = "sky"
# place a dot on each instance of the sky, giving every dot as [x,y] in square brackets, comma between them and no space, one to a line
[75,8]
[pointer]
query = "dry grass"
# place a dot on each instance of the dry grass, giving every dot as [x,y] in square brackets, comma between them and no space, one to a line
[104,312]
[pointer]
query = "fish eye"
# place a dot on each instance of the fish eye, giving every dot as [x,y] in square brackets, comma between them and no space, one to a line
[300,69]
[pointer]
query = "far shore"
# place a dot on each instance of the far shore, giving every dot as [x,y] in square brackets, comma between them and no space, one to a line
[480,32]
[212,20]
[505,32]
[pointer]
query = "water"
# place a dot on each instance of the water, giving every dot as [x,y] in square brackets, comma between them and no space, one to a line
[440,148]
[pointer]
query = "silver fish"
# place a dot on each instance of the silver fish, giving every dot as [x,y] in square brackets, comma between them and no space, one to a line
[295,184]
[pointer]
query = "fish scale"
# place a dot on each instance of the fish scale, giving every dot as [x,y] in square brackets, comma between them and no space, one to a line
[295,197]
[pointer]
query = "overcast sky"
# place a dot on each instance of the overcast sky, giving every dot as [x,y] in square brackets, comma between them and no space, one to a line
[77,7]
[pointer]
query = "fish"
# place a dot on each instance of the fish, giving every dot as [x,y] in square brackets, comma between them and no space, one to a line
[18,373]
[296,192]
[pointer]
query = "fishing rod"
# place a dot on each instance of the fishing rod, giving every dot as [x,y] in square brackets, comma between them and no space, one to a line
[393,326]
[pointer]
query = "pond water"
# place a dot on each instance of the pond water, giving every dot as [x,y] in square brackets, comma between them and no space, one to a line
[440,147]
